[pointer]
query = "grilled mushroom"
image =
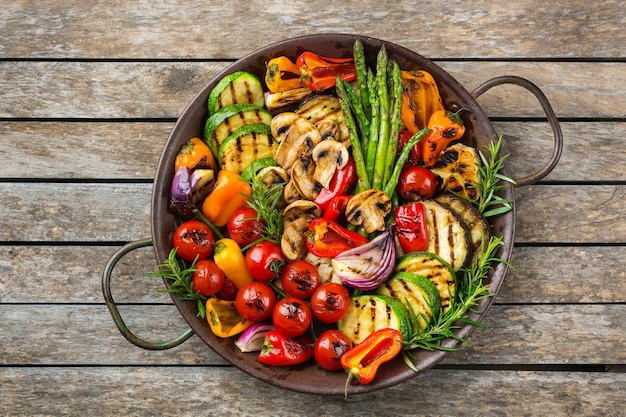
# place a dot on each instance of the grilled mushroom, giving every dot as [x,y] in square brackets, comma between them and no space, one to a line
[329,156]
[293,241]
[297,136]
[301,209]
[369,208]
[291,193]
[273,175]
[302,174]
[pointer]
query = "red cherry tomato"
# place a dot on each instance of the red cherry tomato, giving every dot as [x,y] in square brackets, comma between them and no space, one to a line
[330,302]
[265,260]
[416,153]
[193,239]
[255,301]
[243,226]
[300,279]
[416,183]
[329,347]
[292,317]
[208,278]
[228,291]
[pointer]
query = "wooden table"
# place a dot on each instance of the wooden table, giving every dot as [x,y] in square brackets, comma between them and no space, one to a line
[90,91]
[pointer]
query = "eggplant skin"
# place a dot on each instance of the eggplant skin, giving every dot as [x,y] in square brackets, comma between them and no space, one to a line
[448,236]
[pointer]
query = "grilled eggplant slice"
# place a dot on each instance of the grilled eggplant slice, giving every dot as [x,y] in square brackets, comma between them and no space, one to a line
[236,88]
[479,228]
[228,119]
[368,313]
[448,236]
[433,268]
[248,144]
[416,293]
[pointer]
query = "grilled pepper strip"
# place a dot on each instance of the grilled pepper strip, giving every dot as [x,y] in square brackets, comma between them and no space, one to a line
[363,360]
[327,239]
[279,350]
[420,99]
[411,228]
[195,154]
[282,75]
[319,73]
[341,182]
[337,208]
[446,127]
[230,259]
[229,193]
[224,319]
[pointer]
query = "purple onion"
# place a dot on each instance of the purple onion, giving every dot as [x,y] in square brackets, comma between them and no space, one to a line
[189,188]
[251,340]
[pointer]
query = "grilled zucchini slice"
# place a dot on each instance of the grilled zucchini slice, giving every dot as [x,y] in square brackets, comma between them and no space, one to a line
[323,110]
[433,268]
[479,228]
[416,293]
[248,144]
[238,87]
[448,236]
[368,313]
[227,120]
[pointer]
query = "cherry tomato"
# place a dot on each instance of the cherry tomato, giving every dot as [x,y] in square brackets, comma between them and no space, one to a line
[416,183]
[300,279]
[265,260]
[193,239]
[255,301]
[416,153]
[329,302]
[208,278]
[329,347]
[243,226]
[292,317]
[228,291]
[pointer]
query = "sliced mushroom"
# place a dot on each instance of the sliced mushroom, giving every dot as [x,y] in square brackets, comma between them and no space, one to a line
[329,129]
[297,136]
[302,174]
[301,209]
[293,241]
[329,156]
[273,175]
[369,208]
[291,193]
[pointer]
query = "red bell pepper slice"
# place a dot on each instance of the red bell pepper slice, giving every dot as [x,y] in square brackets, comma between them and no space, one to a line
[411,228]
[279,350]
[337,207]
[327,239]
[341,182]
[319,73]
[363,360]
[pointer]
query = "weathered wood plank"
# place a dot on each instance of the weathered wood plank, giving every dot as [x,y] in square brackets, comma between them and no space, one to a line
[131,150]
[541,275]
[102,29]
[31,212]
[176,391]
[62,89]
[515,335]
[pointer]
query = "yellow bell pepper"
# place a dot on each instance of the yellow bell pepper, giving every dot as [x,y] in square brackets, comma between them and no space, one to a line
[195,154]
[229,193]
[282,75]
[420,99]
[224,319]
[230,259]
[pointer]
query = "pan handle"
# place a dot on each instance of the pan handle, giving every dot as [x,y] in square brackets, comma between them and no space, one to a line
[117,318]
[547,108]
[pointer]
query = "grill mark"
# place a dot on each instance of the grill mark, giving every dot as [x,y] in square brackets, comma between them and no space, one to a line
[450,240]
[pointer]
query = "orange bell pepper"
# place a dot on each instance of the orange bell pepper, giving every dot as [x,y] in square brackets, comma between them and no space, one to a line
[229,193]
[282,75]
[195,154]
[446,127]
[420,99]
[320,73]
[363,360]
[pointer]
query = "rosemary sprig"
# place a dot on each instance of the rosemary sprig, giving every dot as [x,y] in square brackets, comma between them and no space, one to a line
[265,201]
[176,270]
[470,292]
[491,182]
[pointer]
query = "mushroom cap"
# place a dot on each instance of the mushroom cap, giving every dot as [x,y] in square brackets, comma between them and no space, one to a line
[329,156]
[369,209]
[296,136]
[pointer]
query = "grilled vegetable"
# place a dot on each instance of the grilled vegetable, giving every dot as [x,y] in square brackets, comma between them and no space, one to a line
[369,208]
[189,189]
[417,294]
[238,87]
[327,239]
[282,75]
[448,236]
[411,227]
[446,128]
[420,99]
[320,72]
[479,228]
[296,137]
[227,120]
[329,156]
[433,268]
[368,313]
[195,154]
[229,193]
[362,361]
[325,110]
[249,143]
[458,168]
[283,100]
